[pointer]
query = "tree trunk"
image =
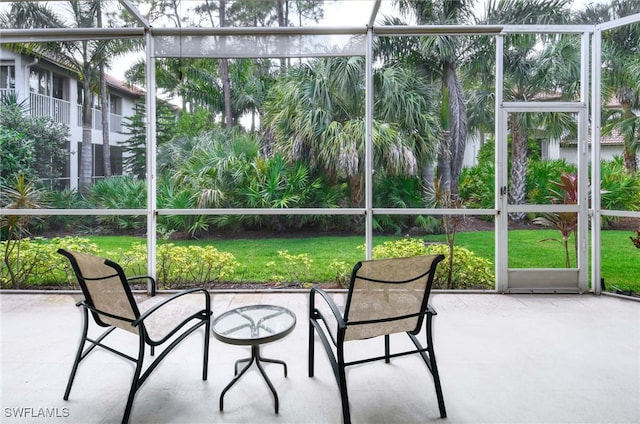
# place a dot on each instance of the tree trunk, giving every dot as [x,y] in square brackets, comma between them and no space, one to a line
[450,283]
[104,105]
[428,184]
[630,145]
[630,159]
[356,188]
[224,73]
[356,184]
[444,163]
[458,124]
[282,22]
[519,155]
[86,161]
[226,89]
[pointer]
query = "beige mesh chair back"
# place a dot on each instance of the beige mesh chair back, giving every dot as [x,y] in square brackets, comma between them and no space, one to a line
[385,297]
[157,321]
[105,291]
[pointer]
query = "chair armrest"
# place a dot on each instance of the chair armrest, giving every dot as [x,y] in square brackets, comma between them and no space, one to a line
[144,316]
[144,277]
[329,301]
[86,305]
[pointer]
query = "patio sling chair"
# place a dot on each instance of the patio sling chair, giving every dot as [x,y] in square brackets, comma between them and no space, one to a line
[385,296]
[157,321]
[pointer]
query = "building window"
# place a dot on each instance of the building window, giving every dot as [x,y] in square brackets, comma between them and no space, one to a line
[116,160]
[98,161]
[115,105]
[39,81]
[7,77]
[59,88]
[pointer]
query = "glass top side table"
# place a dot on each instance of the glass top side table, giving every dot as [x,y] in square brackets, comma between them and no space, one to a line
[253,326]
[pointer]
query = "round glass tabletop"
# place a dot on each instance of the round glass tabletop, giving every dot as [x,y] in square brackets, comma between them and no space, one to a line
[254,324]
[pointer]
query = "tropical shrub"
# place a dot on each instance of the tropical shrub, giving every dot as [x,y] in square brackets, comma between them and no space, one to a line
[542,177]
[476,186]
[342,271]
[180,266]
[477,183]
[620,190]
[20,132]
[203,171]
[400,248]
[274,183]
[18,154]
[177,196]
[297,267]
[565,222]
[20,194]
[469,271]
[123,192]
[37,263]
[392,191]
[69,199]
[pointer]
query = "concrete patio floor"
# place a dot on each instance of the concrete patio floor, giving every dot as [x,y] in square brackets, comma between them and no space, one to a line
[502,359]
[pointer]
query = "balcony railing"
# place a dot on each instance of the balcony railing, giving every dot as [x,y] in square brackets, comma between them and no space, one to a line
[7,92]
[59,110]
[115,121]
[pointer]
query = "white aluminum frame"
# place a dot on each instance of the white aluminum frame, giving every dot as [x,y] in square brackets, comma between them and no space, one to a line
[584,209]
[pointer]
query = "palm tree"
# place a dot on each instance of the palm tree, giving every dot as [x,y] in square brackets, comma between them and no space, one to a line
[527,73]
[620,74]
[84,58]
[439,55]
[104,105]
[229,87]
[316,113]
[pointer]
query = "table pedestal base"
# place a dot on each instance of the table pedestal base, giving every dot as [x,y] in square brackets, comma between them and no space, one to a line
[257,359]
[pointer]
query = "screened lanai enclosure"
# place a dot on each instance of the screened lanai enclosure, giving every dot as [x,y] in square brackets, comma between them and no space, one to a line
[408,119]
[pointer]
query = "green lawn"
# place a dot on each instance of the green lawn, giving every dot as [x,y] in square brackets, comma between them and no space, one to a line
[620,265]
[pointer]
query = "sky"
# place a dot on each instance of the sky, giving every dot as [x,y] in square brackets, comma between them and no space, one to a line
[352,12]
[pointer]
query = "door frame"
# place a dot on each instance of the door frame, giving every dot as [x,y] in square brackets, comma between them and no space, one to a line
[542,280]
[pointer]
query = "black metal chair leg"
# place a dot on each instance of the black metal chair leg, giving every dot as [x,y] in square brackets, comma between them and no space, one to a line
[342,385]
[385,281]
[429,359]
[311,357]
[205,356]
[387,348]
[135,382]
[434,367]
[76,362]
[118,309]
[436,381]
[344,397]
